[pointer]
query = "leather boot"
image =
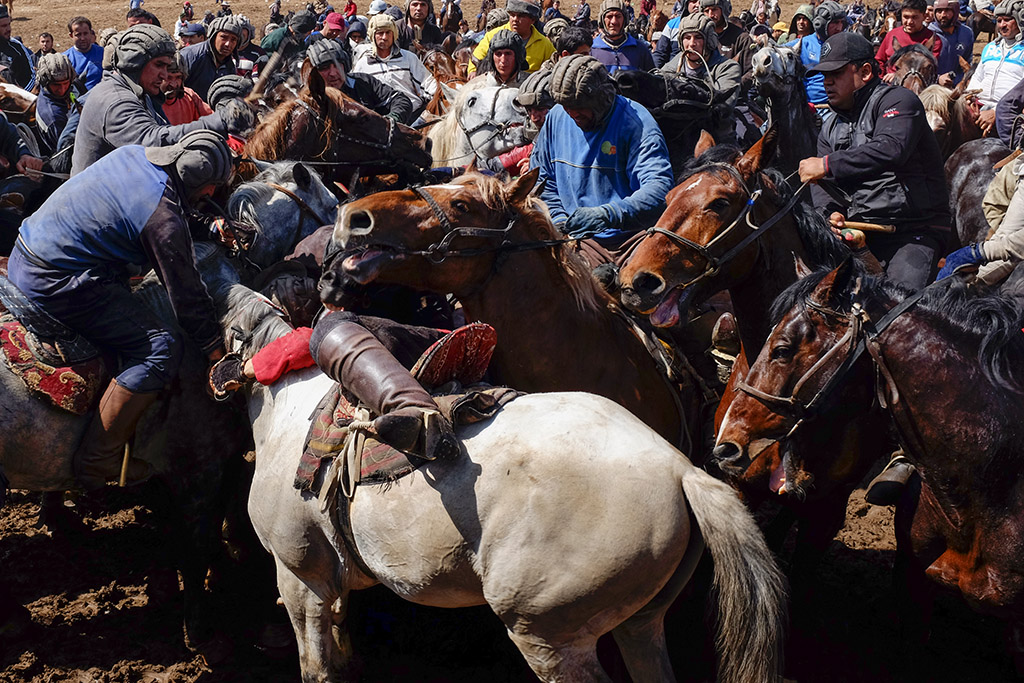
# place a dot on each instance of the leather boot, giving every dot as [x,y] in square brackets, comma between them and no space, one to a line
[886,488]
[99,458]
[409,419]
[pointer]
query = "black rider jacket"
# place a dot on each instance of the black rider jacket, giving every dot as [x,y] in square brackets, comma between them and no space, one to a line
[883,156]
[374,94]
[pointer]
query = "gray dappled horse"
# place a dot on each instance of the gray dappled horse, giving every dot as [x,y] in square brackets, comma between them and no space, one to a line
[187,436]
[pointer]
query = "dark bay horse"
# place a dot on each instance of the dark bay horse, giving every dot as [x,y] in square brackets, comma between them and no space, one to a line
[943,366]
[557,330]
[915,67]
[664,277]
[969,170]
[337,135]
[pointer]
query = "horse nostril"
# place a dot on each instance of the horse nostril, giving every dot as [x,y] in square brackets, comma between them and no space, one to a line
[725,451]
[360,221]
[648,283]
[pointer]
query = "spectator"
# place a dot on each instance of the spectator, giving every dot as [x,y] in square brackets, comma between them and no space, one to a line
[45,46]
[193,34]
[615,48]
[86,56]
[290,39]
[214,57]
[140,16]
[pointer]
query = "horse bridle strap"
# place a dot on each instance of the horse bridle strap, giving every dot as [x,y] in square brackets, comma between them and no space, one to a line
[303,206]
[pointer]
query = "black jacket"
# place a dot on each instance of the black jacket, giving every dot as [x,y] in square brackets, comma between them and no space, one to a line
[432,35]
[883,156]
[380,97]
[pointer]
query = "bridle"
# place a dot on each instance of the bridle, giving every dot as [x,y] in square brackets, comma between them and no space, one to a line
[914,73]
[499,127]
[713,262]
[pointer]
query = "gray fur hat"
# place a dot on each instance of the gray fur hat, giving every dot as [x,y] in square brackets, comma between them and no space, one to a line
[228,88]
[302,22]
[582,82]
[54,67]
[700,24]
[199,158]
[535,91]
[495,18]
[227,24]
[140,44]
[523,7]
[326,51]
[825,14]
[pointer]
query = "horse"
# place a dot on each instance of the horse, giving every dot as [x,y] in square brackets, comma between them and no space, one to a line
[942,366]
[547,565]
[969,171]
[866,23]
[950,117]
[779,77]
[914,67]
[337,135]
[186,436]
[982,22]
[695,250]
[481,124]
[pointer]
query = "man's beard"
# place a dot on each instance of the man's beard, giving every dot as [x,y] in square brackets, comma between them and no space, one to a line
[174,94]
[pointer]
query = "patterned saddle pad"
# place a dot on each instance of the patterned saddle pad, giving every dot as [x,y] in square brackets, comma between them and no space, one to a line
[451,369]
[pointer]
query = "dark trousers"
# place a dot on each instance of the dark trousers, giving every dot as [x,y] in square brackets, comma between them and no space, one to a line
[911,259]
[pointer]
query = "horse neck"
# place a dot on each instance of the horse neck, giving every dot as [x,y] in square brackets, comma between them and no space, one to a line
[796,123]
[772,272]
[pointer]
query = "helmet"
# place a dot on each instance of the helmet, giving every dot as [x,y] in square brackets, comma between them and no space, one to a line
[226,88]
[825,14]
[200,158]
[54,67]
[698,23]
[141,44]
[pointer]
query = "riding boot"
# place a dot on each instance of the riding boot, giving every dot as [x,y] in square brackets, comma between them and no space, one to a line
[99,458]
[409,419]
[886,488]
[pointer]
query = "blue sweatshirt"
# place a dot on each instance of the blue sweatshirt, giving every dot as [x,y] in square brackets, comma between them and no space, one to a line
[810,55]
[623,165]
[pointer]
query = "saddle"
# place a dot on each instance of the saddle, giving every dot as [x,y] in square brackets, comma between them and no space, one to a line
[52,360]
[451,369]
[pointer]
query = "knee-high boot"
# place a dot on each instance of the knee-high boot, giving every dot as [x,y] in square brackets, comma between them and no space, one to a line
[409,419]
[99,458]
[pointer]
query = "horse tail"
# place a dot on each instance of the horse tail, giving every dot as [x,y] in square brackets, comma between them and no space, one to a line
[750,588]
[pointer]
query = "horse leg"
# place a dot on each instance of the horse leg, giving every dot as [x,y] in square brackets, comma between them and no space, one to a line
[325,650]
[565,663]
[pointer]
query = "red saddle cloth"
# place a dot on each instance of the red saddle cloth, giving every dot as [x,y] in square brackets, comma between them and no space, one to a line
[460,358]
[72,388]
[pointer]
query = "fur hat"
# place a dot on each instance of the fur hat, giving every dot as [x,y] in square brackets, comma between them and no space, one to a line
[227,88]
[54,67]
[582,82]
[381,22]
[698,23]
[523,7]
[495,18]
[141,44]
[199,158]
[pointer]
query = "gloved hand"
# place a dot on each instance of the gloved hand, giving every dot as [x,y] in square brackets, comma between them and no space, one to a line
[227,375]
[587,221]
[969,255]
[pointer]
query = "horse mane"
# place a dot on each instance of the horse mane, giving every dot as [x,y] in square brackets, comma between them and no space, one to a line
[243,201]
[993,319]
[908,49]
[538,225]
[268,140]
[446,135]
[821,244]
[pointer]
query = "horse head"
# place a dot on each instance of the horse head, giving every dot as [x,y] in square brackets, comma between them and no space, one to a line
[915,67]
[482,123]
[676,265]
[645,88]
[788,398]
[777,70]
[440,238]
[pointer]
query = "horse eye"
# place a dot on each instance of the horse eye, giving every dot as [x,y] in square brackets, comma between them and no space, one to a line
[460,206]
[782,352]
[719,205]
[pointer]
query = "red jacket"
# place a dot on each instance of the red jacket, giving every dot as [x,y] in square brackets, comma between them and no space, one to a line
[897,38]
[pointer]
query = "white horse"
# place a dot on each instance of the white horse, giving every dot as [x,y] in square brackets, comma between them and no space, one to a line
[565,514]
[482,123]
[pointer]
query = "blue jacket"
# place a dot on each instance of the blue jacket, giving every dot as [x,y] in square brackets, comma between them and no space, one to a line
[960,44]
[630,55]
[623,166]
[88,63]
[51,117]
[810,55]
[203,70]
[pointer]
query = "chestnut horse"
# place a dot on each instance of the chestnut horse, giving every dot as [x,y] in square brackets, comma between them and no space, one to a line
[664,276]
[557,331]
[950,117]
[943,366]
[336,135]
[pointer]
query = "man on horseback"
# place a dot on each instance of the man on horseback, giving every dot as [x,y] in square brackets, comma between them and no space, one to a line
[911,31]
[125,108]
[214,57]
[74,265]
[522,15]
[417,26]
[615,48]
[57,97]
[603,160]
[1002,62]
[828,19]
[400,69]
[957,42]
[334,64]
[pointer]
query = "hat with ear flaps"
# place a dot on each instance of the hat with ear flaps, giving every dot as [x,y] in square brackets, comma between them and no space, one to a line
[139,45]
[699,23]
[200,158]
[582,82]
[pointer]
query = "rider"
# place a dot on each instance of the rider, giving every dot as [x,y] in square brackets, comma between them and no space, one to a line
[215,56]
[1002,62]
[57,97]
[15,54]
[505,63]
[400,69]
[418,25]
[615,48]
[74,265]
[290,39]
[522,15]
[911,31]
[829,19]
[333,62]
[535,97]
[957,42]
[604,164]
[124,109]
[181,104]
[699,58]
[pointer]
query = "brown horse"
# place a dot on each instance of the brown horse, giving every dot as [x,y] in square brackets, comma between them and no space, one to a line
[557,331]
[943,366]
[664,276]
[950,116]
[336,135]
[914,67]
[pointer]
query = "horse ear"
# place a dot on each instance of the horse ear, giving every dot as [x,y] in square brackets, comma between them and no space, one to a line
[522,187]
[802,269]
[959,89]
[448,44]
[300,174]
[830,290]
[704,143]
[316,84]
[758,156]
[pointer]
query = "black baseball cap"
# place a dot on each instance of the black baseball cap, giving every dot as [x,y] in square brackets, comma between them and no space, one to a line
[841,49]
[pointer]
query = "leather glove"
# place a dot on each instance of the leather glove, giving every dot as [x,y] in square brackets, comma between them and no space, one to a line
[587,221]
[970,255]
[227,376]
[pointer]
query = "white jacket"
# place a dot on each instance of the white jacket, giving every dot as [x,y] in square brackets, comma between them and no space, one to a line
[1001,68]
[403,71]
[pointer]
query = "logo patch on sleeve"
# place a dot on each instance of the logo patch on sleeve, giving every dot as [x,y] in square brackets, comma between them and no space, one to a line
[889,113]
[607,147]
